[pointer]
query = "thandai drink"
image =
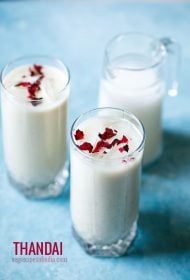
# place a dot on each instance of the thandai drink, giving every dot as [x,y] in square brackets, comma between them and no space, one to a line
[106,154]
[34,118]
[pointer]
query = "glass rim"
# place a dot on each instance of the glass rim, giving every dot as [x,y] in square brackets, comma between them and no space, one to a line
[59,61]
[125,112]
[117,37]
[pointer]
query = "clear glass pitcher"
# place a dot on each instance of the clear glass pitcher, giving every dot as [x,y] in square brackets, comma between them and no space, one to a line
[136,77]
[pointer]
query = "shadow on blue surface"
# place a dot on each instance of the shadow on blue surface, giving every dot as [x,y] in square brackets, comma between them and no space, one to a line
[175,157]
[164,235]
[164,220]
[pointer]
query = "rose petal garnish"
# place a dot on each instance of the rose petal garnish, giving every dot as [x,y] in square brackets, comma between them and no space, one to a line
[100,145]
[23,84]
[33,88]
[79,134]
[124,148]
[103,144]
[124,139]
[108,133]
[119,141]
[36,70]
[86,146]
[115,142]
[121,149]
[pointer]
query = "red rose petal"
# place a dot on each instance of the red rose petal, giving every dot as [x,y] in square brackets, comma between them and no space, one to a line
[100,145]
[86,146]
[32,72]
[124,139]
[36,70]
[121,149]
[79,134]
[108,133]
[33,88]
[115,142]
[103,144]
[23,84]
[118,141]
[126,148]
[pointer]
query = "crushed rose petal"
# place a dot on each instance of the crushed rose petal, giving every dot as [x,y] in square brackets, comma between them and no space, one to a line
[36,70]
[124,139]
[108,133]
[33,88]
[86,146]
[115,142]
[124,148]
[101,144]
[79,134]
[118,142]
[23,84]
[121,149]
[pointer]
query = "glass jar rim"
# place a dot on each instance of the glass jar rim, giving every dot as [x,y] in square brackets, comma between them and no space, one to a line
[122,157]
[120,36]
[34,57]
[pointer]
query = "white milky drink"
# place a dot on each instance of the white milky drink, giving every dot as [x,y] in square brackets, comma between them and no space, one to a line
[34,120]
[140,92]
[134,79]
[105,179]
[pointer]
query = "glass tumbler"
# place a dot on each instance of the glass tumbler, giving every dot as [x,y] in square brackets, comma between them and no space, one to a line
[105,179]
[34,101]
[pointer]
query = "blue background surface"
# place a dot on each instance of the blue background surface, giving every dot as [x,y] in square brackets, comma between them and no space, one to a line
[77,31]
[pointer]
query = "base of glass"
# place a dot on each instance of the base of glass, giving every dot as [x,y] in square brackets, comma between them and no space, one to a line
[53,189]
[117,249]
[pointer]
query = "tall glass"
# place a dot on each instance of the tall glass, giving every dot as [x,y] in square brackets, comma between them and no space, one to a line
[105,184]
[34,101]
[136,77]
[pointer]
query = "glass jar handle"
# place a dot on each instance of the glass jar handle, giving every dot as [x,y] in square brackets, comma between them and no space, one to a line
[173,50]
